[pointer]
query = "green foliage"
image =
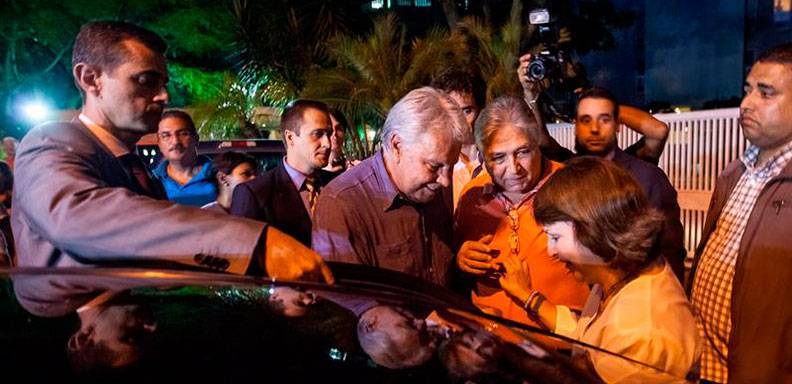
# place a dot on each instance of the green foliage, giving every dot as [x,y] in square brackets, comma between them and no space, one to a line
[36,38]
[232,113]
[194,85]
[373,73]
[228,58]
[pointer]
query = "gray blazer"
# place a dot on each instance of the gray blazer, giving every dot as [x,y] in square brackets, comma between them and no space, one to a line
[75,206]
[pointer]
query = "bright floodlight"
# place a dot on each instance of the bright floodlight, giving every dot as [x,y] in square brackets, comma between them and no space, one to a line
[35,111]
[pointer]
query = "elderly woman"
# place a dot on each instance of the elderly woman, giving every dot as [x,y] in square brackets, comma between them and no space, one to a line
[599,223]
[494,218]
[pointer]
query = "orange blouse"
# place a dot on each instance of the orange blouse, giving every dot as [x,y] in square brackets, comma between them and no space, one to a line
[481,212]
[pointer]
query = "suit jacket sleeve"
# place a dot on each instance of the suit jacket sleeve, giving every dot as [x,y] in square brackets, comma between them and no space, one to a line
[244,202]
[67,213]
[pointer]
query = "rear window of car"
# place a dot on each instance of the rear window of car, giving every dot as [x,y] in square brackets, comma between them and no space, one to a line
[268,153]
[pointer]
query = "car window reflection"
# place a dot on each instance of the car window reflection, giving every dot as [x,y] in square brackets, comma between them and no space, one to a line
[296,332]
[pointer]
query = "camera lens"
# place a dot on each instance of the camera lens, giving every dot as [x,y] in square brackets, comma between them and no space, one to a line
[536,70]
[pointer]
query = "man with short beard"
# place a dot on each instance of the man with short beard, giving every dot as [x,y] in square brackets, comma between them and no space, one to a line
[740,277]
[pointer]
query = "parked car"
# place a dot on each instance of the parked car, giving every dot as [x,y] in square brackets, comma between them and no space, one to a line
[371,326]
[268,153]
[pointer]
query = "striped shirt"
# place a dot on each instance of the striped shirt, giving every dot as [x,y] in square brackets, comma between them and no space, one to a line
[712,286]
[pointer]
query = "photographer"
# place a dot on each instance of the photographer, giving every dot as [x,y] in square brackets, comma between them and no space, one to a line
[649,148]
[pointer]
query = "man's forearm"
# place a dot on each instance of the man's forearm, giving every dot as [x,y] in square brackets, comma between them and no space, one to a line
[643,123]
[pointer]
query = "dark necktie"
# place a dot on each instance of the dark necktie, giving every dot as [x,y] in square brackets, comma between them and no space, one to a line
[137,170]
[313,192]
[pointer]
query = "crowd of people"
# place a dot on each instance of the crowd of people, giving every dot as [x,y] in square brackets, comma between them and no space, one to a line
[471,195]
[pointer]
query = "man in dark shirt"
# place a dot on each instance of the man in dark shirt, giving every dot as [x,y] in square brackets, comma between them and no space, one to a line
[393,210]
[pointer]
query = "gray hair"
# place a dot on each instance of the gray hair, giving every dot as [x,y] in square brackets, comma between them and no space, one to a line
[421,111]
[505,110]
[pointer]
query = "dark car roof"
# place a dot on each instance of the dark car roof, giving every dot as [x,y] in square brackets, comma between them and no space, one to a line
[267,152]
[225,327]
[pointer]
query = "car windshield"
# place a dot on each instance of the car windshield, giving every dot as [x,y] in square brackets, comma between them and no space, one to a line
[372,325]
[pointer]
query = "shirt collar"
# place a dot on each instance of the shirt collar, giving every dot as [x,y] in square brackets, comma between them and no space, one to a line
[391,195]
[548,168]
[98,301]
[116,146]
[773,166]
[297,177]
[161,170]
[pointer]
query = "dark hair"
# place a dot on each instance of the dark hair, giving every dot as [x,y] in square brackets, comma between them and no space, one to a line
[97,358]
[608,209]
[93,358]
[6,177]
[293,114]
[181,115]
[99,43]
[781,54]
[600,93]
[462,370]
[340,118]
[226,162]
[460,80]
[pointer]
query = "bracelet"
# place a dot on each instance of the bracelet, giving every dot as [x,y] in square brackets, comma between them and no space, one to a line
[537,303]
[532,310]
[526,305]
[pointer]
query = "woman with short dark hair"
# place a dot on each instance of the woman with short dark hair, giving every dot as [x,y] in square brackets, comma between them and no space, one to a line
[230,169]
[599,223]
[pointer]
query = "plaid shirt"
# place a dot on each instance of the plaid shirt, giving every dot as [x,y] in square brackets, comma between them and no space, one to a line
[712,286]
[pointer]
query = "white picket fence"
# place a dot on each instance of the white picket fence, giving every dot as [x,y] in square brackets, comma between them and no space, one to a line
[699,147]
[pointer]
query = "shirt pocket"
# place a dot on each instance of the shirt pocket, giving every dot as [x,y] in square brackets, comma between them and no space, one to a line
[399,256]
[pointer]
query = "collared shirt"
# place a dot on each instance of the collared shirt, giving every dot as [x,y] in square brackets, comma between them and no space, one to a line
[98,301]
[198,191]
[648,320]
[463,173]
[116,146]
[215,207]
[362,218]
[120,150]
[712,285]
[483,211]
[298,178]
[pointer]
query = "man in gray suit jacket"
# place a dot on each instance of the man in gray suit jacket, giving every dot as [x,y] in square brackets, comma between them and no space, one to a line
[83,199]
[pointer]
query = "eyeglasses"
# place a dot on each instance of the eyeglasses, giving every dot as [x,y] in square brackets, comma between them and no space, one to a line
[165,136]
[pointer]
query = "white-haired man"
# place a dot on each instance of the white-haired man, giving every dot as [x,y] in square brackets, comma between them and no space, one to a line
[393,210]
